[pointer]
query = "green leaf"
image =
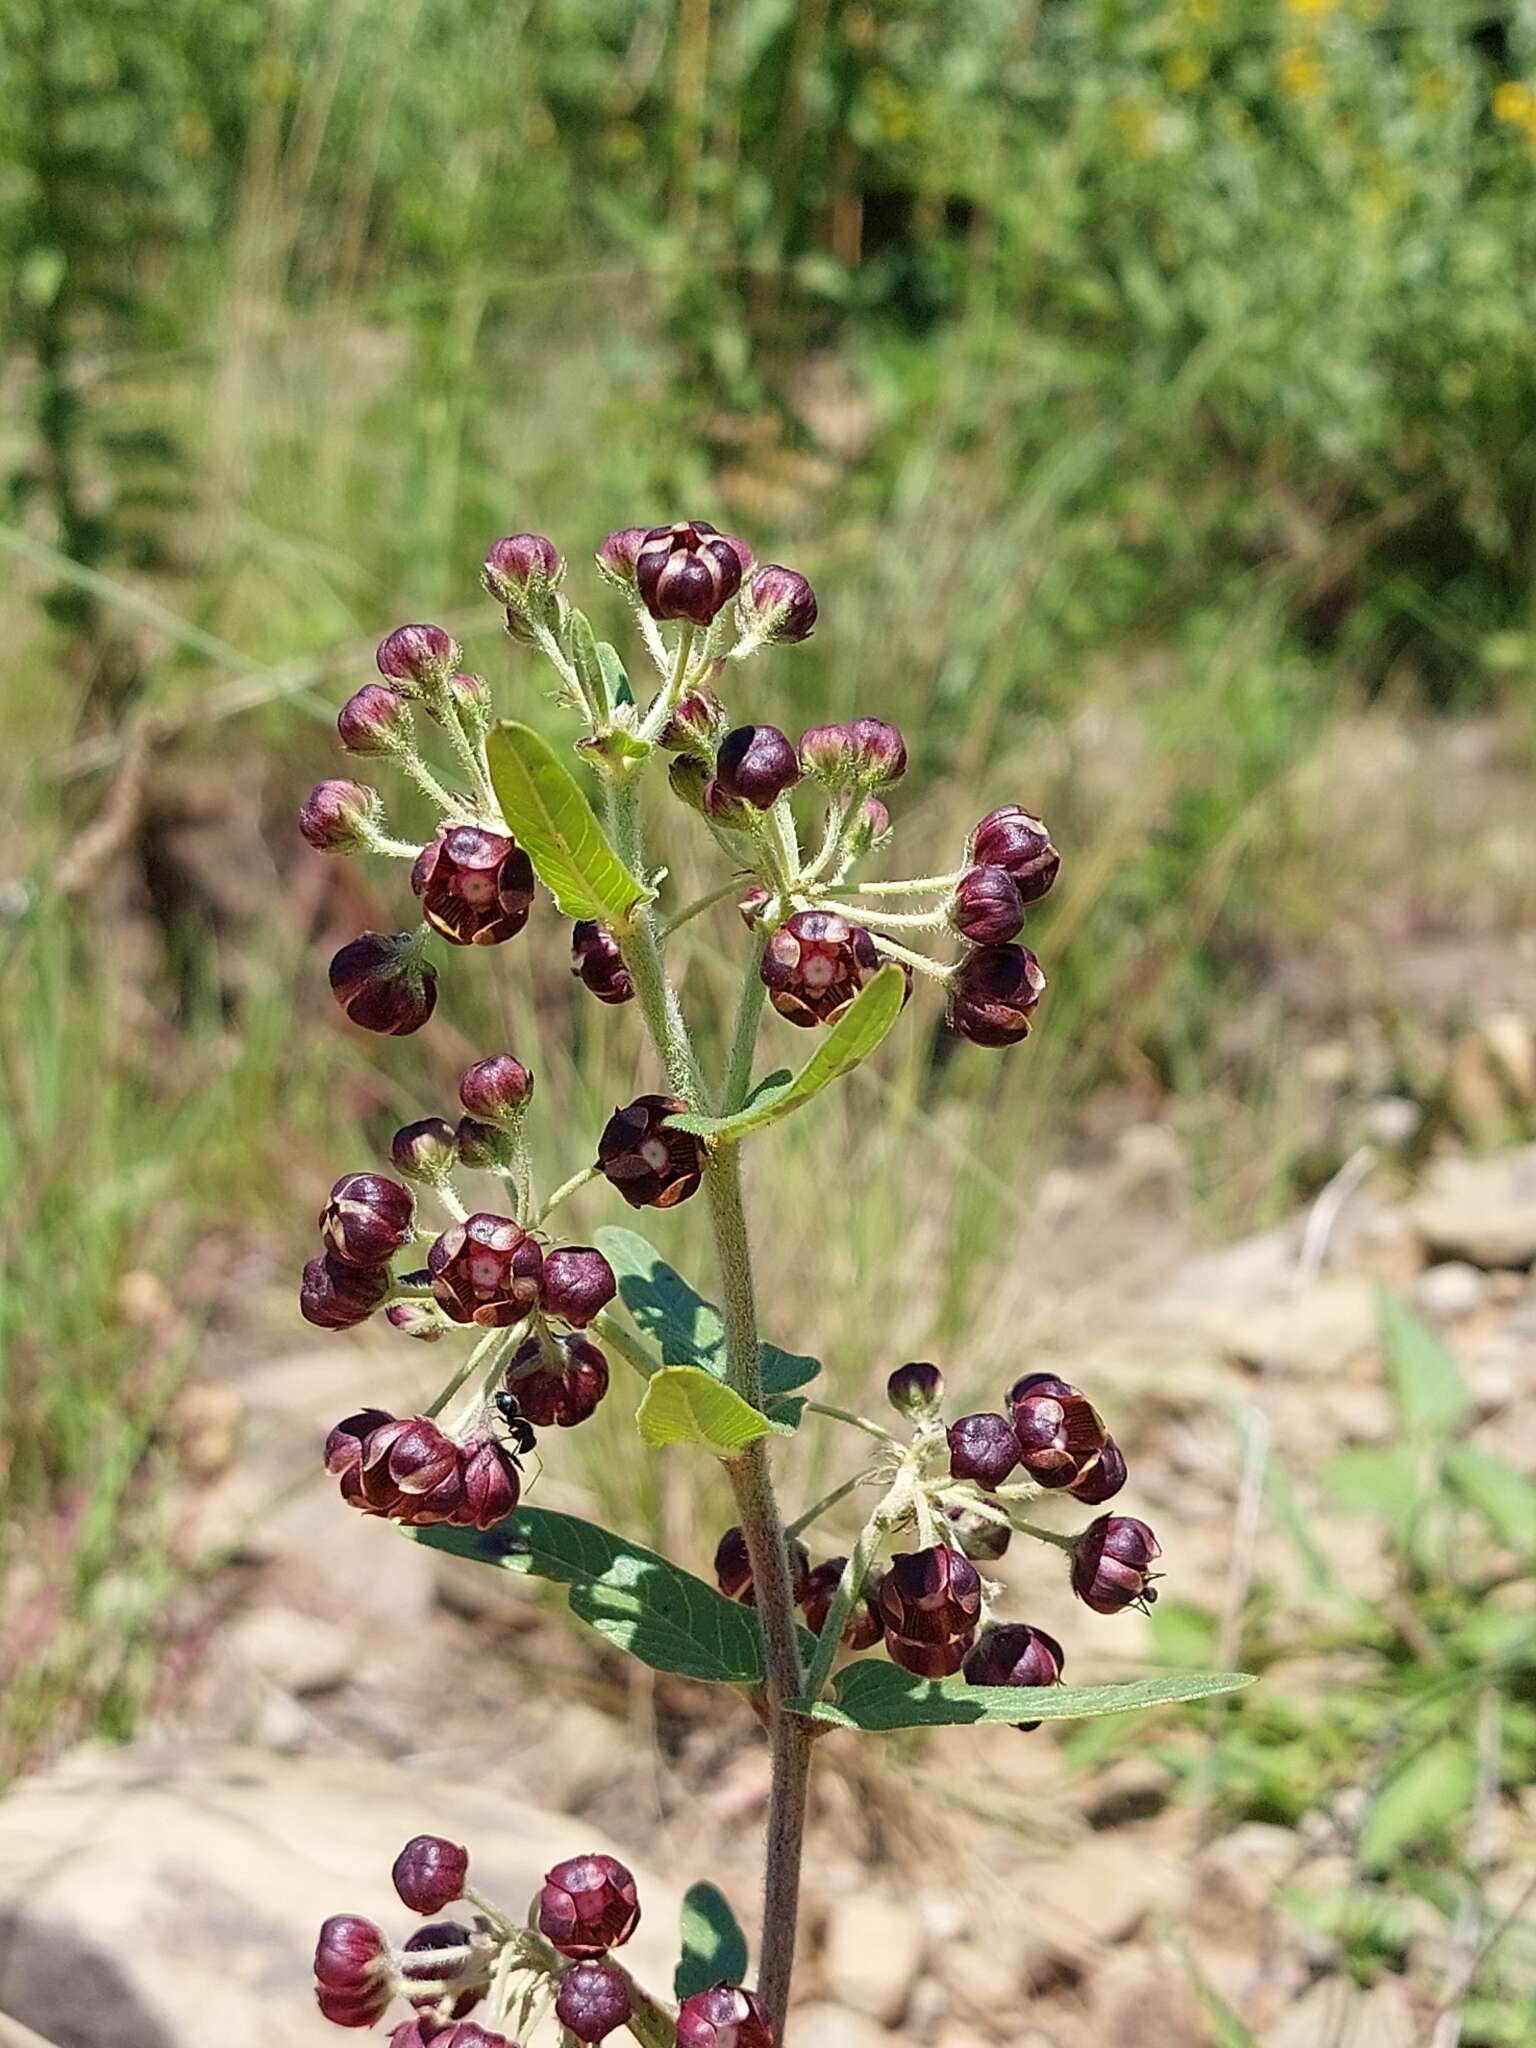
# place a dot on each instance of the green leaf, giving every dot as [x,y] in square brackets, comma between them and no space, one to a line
[1419,1802]
[1504,1498]
[874,1695]
[850,1041]
[1371,1480]
[615,680]
[545,808]
[714,1947]
[683,1404]
[686,1328]
[636,1600]
[1424,1377]
[581,645]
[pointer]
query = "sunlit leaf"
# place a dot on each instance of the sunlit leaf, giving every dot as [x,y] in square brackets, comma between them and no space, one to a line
[683,1404]
[714,1947]
[547,811]
[872,1694]
[850,1041]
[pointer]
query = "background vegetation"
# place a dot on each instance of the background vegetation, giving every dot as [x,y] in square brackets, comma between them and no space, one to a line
[1148,387]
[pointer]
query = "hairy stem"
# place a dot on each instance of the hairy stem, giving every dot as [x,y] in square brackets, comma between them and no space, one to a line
[849,1587]
[749,1011]
[757,1507]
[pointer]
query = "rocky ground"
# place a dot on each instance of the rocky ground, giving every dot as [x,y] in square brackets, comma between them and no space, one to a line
[338,1688]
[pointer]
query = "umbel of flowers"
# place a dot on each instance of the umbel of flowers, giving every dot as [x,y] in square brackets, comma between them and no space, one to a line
[905,1627]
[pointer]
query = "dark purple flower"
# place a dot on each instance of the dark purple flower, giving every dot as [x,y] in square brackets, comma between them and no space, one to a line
[588,1905]
[593,2000]
[1060,1436]
[383,983]
[367,1219]
[375,720]
[597,961]
[485,1270]
[755,765]
[429,1873]
[780,605]
[993,994]
[733,1568]
[426,1944]
[828,752]
[916,1391]
[815,964]
[424,1150]
[986,907]
[696,726]
[619,553]
[497,1090]
[689,571]
[863,1628]
[651,1165]
[423,657]
[340,817]
[521,570]
[1012,838]
[577,1284]
[1015,1654]
[930,1603]
[1110,1564]
[336,1296]
[1104,1477]
[879,751]
[983,1448]
[557,1380]
[353,1978]
[725,2017]
[476,887]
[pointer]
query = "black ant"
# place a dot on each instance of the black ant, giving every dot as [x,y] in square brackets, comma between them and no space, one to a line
[519,1428]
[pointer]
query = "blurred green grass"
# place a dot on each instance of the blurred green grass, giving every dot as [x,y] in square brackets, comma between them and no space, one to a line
[1147,390]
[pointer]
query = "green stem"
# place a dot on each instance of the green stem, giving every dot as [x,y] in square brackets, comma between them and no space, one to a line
[430,787]
[785,844]
[918,961]
[656,718]
[828,1501]
[613,1332]
[921,885]
[847,1415]
[1044,1535]
[566,1189]
[482,1350]
[914,920]
[849,1587]
[749,1012]
[699,904]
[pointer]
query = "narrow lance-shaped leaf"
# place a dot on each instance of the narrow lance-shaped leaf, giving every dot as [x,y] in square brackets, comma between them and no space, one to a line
[1424,1377]
[686,1328]
[874,1695]
[546,809]
[850,1041]
[683,1404]
[581,643]
[638,1601]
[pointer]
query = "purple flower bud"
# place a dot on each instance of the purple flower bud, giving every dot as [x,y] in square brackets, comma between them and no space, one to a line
[751,904]
[720,806]
[497,1089]
[696,726]
[993,994]
[382,982]
[419,1319]
[1038,1383]
[689,571]
[425,1150]
[829,753]
[725,2017]
[429,1873]
[780,605]
[1014,839]
[916,1391]
[879,751]
[577,1284]
[340,817]
[557,1381]
[486,1271]
[375,720]
[470,696]
[367,1219]
[476,887]
[522,571]
[983,1540]
[353,1979]
[598,963]
[930,1602]
[1104,1477]
[1060,1436]
[1110,1564]
[336,1296]
[425,1943]
[986,907]
[489,1481]
[815,964]
[870,828]
[862,1630]
[619,553]
[407,1469]
[733,1568]
[483,1147]
[423,657]
[983,1448]
[593,2000]
[1016,1655]
[588,1906]
[756,764]
[651,1165]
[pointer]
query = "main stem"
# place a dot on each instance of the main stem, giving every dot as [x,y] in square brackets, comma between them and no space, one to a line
[751,1481]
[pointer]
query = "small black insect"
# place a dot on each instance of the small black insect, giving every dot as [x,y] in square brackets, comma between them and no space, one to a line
[518,1427]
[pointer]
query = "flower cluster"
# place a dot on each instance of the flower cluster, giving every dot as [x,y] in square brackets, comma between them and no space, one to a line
[558,1957]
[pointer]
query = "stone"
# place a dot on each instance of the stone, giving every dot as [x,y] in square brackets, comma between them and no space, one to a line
[833,2026]
[1339,2012]
[982,1976]
[1451,1290]
[1101,1892]
[872,1954]
[1480,1210]
[1130,1789]
[1313,1327]
[1142,1996]
[297,1651]
[169,1897]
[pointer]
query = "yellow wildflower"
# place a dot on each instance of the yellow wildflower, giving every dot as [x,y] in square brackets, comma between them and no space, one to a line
[1514,102]
[1301,71]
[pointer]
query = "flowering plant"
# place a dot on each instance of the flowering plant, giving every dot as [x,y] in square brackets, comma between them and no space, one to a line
[830,954]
